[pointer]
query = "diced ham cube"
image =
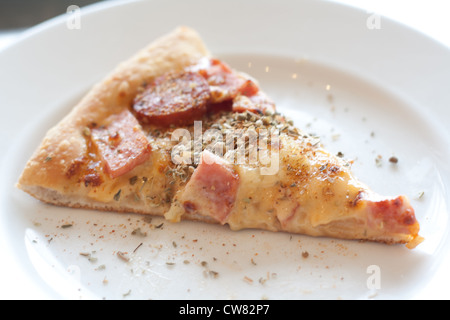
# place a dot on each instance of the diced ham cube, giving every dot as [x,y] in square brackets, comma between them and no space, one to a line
[394,215]
[212,188]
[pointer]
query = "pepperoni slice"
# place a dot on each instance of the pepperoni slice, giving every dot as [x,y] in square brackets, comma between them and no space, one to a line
[173,99]
[121,144]
[224,83]
[248,88]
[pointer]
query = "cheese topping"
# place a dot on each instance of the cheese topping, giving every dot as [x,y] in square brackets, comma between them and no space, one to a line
[264,173]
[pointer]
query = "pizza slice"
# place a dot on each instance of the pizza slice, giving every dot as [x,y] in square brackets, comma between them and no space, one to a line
[177,133]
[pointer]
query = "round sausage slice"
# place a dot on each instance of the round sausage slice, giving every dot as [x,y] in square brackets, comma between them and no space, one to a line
[225,84]
[173,99]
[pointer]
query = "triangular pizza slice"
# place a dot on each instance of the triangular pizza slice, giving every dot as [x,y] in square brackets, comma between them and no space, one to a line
[176,132]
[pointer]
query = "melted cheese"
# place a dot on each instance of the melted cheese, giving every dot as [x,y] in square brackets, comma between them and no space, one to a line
[310,189]
[303,189]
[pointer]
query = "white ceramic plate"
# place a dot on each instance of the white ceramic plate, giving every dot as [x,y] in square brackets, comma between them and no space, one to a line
[367,92]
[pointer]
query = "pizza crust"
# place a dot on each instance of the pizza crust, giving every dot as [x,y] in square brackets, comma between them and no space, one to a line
[53,197]
[48,166]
